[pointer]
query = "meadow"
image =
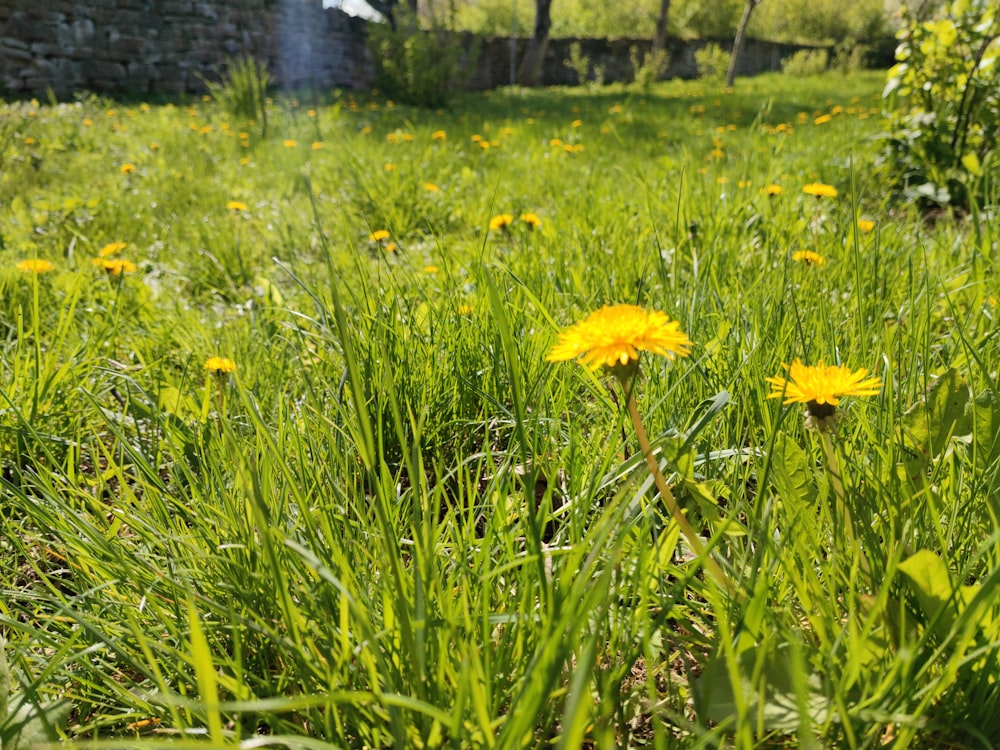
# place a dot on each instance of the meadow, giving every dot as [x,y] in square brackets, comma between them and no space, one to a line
[285,461]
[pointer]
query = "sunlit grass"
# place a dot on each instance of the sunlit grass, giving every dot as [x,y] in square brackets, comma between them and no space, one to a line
[301,467]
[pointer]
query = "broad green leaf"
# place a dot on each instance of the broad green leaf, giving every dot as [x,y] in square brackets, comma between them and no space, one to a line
[986,428]
[942,414]
[971,162]
[933,587]
[793,477]
[30,725]
[768,689]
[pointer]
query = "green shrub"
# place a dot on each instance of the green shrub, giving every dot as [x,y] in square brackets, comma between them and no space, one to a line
[944,99]
[416,66]
[578,62]
[806,62]
[712,62]
[649,67]
[242,92]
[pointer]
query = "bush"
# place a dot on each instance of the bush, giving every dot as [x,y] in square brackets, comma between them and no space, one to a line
[578,62]
[805,62]
[649,67]
[426,68]
[712,62]
[944,97]
[242,92]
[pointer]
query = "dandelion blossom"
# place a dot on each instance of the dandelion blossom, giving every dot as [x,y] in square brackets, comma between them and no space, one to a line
[430,187]
[378,235]
[439,135]
[808,257]
[237,206]
[531,220]
[866,225]
[820,387]
[615,335]
[127,168]
[501,222]
[112,248]
[290,143]
[820,190]
[772,191]
[220,365]
[35,265]
[115,266]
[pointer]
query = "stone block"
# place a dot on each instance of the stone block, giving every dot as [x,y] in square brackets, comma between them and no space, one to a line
[14,49]
[102,70]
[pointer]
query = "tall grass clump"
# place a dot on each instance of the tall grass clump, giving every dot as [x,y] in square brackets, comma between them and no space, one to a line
[582,418]
[242,92]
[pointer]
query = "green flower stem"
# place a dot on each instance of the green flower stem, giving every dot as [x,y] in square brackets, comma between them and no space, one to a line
[843,511]
[693,540]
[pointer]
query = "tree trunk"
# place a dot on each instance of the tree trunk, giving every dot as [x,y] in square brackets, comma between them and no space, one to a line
[534,57]
[660,35]
[741,34]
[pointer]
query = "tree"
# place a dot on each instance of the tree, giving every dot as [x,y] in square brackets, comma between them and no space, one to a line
[534,57]
[660,35]
[741,33]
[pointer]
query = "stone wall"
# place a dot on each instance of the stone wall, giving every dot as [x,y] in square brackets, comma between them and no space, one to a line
[166,46]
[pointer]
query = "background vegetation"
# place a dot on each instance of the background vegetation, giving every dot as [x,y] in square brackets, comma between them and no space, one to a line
[394,524]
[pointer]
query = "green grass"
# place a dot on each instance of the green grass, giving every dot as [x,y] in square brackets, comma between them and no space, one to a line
[396,524]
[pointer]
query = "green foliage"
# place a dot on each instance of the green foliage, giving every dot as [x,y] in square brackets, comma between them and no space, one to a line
[712,62]
[579,63]
[648,67]
[242,92]
[395,524]
[424,67]
[806,62]
[944,100]
[25,723]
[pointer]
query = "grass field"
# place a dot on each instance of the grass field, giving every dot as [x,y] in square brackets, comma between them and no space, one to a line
[291,467]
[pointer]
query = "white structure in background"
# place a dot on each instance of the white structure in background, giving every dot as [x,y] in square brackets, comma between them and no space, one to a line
[353,7]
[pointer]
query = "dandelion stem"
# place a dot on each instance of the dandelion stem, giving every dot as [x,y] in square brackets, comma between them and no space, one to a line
[693,540]
[843,511]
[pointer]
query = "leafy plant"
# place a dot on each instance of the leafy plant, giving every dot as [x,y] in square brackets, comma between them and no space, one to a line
[426,68]
[578,62]
[944,101]
[242,92]
[648,67]
[712,62]
[805,62]
[25,723]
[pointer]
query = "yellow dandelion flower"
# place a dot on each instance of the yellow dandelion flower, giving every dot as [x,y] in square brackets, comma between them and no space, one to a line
[87,122]
[290,143]
[772,190]
[431,269]
[531,219]
[236,206]
[29,141]
[866,225]
[556,142]
[431,187]
[820,387]
[35,265]
[205,129]
[317,145]
[466,309]
[407,137]
[501,221]
[311,113]
[822,120]
[112,248]
[576,123]
[154,146]
[390,247]
[115,266]
[808,257]
[389,166]
[820,190]
[127,168]
[484,145]
[378,235]
[476,138]
[616,334]
[244,160]
[366,130]
[439,135]
[220,365]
